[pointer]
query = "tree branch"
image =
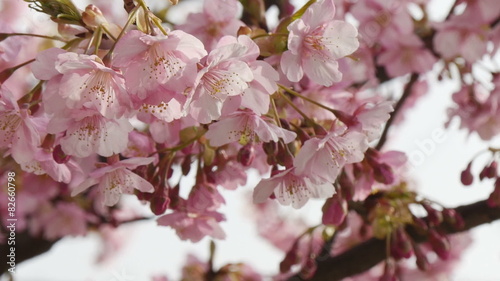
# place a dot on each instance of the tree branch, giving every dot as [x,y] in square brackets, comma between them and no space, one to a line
[406,94]
[369,253]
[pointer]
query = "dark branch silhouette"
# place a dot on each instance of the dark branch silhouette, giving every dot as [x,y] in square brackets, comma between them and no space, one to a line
[369,253]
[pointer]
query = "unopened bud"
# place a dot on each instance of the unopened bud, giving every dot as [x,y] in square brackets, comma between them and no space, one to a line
[244,30]
[434,216]
[59,156]
[440,244]
[466,175]
[334,211]
[494,199]
[383,173]
[421,258]
[93,17]
[246,155]
[159,204]
[491,170]
[401,244]
[420,225]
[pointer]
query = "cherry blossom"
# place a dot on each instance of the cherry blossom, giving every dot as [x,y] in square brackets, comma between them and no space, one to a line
[324,158]
[158,68]
[225,74]
[219,18]
[291,189]
[316,42]
[116,179]
[244,127]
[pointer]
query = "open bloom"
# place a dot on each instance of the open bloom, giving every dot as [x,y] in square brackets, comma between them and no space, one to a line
[226,74]
[324,158]
[19,131]
[88,132]
[115,179]
[157,67]
[245,126]
[316,42]
[196,216]
[219,18]
[82,81]
[290,188]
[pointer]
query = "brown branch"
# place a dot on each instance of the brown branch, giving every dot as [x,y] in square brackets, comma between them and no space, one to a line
[369,253]
[26,247]
[406,94]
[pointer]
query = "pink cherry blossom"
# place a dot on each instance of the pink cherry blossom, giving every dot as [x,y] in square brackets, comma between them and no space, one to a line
[256,96]
[379,18]
[192,223]
[158,68]
[246,126]
[219,18]
[83,81]
[478,109]
[63,219]
[457,37]
[116,179]
[316,42]
[406,54]
[20,132]
[88,132]
[323,159]
[291,189]
[225,74]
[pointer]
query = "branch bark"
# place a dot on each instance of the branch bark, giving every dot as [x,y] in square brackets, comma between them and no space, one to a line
[369,253]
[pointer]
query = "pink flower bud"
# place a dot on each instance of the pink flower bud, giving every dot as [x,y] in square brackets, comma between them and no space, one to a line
[466,175]
[434,216]
[494,199]
[93,17]
[440,244]
[421,258]
[491,170]
[383,173]
[159,204]
[246,155]
[401,244]
[334,211]
[59,156]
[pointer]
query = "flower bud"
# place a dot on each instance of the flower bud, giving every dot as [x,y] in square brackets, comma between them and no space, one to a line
[93,17]
[466,175]
[59,156]
[334,211]
[159,204]
[434,216]
[186,165]
[383,173]
[494,199]
[440,244]
[246,155]
[421,258]
[491,170]
[401,244]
